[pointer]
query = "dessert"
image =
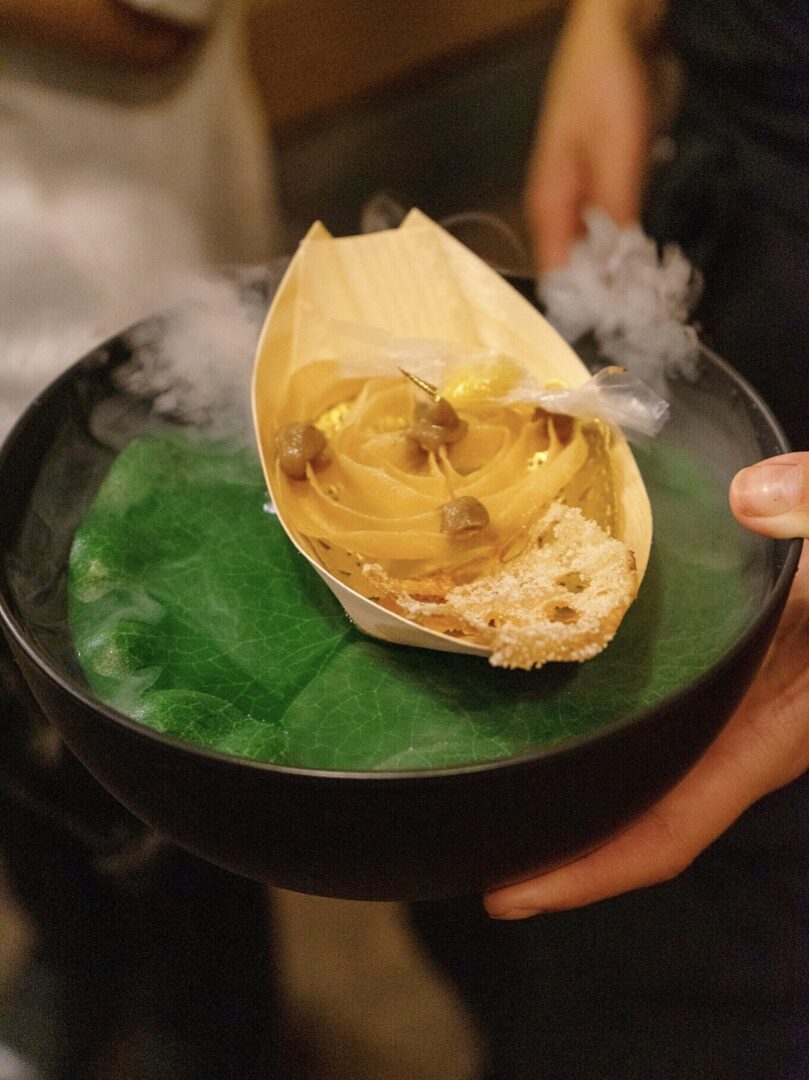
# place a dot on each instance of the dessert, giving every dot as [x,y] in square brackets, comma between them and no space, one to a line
[443,498]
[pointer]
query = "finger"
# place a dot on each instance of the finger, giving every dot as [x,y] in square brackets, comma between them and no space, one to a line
[772,497]
[616,170]
[616,188]
[732,775]
[553,206]
[651,851]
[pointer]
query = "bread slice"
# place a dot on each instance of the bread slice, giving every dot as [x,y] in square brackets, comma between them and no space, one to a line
[561,597]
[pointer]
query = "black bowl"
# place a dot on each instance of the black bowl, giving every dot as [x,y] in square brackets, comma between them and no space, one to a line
[369,835]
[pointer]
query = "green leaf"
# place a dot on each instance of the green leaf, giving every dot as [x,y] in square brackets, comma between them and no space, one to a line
[192,612]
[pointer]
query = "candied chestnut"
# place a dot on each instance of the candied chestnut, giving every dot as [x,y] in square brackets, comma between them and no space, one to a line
[439,412]
[297,445]
[436,425]
[463,515]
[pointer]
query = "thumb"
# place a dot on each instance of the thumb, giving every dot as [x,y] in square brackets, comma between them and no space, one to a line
[772,497]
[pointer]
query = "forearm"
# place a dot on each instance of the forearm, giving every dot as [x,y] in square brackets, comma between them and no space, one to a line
[97,29]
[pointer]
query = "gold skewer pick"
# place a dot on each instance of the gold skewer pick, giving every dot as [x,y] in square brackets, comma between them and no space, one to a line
[428,388]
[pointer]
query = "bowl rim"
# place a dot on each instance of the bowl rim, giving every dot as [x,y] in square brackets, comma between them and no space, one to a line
[98,359]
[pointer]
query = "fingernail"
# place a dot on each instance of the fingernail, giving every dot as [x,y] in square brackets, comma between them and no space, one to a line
[767,490]
[508,914]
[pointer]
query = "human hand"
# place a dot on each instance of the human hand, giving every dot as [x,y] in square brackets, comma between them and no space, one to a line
[764,746]
[593,132]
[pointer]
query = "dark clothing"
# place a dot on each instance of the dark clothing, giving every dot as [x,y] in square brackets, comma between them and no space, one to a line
[749,61]
[736,195]
[742,215]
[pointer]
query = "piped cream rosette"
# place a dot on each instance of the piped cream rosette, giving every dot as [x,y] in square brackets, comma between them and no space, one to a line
[549,565]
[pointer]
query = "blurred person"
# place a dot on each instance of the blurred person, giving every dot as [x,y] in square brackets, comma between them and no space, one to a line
[133,158]
[680,949]
[133,154]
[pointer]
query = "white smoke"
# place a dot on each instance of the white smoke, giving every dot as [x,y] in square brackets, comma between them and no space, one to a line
[635,300]
[198,368]
[81,266]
